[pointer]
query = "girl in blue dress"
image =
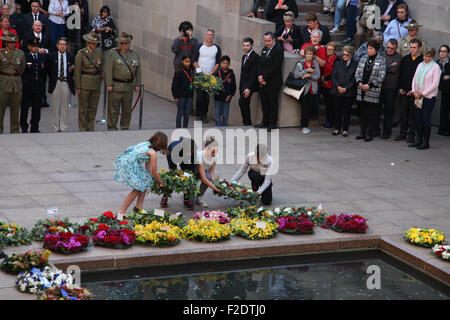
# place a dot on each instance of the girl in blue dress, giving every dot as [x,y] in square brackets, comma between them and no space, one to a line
[128,169]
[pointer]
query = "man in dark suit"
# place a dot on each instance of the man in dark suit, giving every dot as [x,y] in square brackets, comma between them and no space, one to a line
[270,80]
[388,11]
[26,28]
[249,79]
[33,86]
[60,69]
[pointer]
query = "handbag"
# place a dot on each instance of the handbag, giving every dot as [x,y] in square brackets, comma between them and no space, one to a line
[293,83]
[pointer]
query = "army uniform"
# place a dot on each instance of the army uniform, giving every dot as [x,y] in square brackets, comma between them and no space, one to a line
[403,43]
[12,66]
[88,78]
[123,82]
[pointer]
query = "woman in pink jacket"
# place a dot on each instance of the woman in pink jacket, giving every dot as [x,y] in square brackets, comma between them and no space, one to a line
[425,88]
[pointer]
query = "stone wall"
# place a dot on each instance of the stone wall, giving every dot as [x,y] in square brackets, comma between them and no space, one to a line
[154,25]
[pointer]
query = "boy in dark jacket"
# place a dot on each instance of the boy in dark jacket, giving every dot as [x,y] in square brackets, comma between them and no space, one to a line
[222,100]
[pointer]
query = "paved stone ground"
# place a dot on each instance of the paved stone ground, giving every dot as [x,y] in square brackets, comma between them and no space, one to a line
[396,187]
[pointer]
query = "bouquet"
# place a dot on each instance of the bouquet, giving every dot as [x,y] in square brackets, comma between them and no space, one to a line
[176,181]
[442,251]
[254,229]
[208,83]
[222,217]
[25,261]
[65,292]
[37,280]
[66,242]
[42,227]
[147,216]
[206,231]
[237,191]
[12,234]
[107,219]
[424,237]
[110,237]
[316,214]
[346,223]
[158,234]
[300,224]
[251,212]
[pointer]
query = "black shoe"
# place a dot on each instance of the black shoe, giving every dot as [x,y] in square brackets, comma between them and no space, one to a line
[426,139]
[446,134]
[367,139]
[400,137]
[376,135]
[410,139]
[204,119]
[261,125]
[360,137]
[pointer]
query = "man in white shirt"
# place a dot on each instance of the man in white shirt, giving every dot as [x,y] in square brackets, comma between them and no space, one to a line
[206,60]
[260,163]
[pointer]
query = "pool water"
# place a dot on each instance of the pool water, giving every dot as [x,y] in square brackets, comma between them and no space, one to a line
[344,280]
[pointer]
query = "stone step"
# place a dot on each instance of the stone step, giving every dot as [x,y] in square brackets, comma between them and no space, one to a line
[320,16]
[309,6]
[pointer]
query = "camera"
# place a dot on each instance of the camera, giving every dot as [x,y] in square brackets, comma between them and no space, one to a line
[185,34]
[285,36]
[184,27]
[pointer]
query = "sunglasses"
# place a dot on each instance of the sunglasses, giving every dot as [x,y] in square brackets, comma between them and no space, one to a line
[346,54]
[390,48]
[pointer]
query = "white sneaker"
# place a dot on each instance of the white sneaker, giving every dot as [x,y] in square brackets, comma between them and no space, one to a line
[201,203]
[334,30]
[306,130]
[343,21]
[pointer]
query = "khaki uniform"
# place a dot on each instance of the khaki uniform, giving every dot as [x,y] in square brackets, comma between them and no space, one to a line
[118,76]
[12,66]
[403,45]
[88,79]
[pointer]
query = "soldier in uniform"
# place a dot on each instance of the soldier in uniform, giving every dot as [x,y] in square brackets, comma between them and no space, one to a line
[413,30]
[12,65]
[122,75]
[33,80]
[88,77]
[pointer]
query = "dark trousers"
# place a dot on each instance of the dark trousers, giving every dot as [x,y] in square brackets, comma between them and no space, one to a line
[407,115]
[342,112]
[257,180]
[307,104]
[183,107]
[269,102]
[369,118]
[244,105]
[352,13]
[423,116]
[202,103]
[33,100]
[388,97]
[445,107]
[329,105]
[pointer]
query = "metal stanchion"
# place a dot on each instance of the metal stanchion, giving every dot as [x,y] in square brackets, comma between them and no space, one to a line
[141,107]
[103,121]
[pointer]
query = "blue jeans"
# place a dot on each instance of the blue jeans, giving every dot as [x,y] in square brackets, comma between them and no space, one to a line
[183,108]
[57,31]
[222,109]
[340,12]
[352,13]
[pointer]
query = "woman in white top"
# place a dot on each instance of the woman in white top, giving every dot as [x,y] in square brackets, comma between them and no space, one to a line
[260,163]
[206,161]
[58,11]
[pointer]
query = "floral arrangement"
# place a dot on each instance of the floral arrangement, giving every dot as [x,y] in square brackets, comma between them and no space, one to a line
[12,234]
[144,217]
[220,216]
[37,280]
[206,231]
[346,223]
[108,219]
[25,261]
[251,212]
[65,292]
[442,251]
[43,227]
[300,224]
[254,229]
[66,242]
[208,83]
[176,181]
[158,234]
[110,237]
[237,191]
[424,237]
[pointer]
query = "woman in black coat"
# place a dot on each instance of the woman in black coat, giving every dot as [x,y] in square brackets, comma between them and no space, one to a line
[289,34]
[444,87]
[343,90]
